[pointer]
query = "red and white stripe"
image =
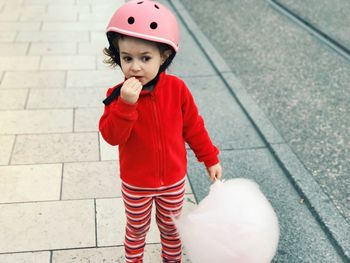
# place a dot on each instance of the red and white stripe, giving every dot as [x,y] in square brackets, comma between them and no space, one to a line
[138,207]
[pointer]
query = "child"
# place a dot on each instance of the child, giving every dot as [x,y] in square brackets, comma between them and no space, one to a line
[150,116]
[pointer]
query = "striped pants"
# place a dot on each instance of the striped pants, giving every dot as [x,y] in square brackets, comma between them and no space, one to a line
[138,208]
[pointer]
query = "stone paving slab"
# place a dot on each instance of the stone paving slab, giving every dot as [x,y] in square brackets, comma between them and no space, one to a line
[99,37]
[13,99]
[55,148]
[49,48]
[31,257]
[12,16]
[86,119]
[7,36]
[83,8]
[68,62]
[6,143]
[85,180]
[44,2]
[107,151]
[114,3]
[11,49]
[28,183]
[66,98]
[94,78]
[33,79]
[95,17]
[106,255]
[20,26]
[72,26]
[19,63]
[34,121]
[31,10]
[100,59]
[44,36]
[47,225]
[331,17]
[90,49]
[43,16]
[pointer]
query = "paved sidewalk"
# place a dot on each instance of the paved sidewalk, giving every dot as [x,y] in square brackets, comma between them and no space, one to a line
[59,183]
[59,187]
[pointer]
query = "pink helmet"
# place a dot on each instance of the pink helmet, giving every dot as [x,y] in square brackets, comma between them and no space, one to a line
[147,20]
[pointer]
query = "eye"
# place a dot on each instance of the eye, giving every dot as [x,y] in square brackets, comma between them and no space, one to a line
[126,59]
[146,58]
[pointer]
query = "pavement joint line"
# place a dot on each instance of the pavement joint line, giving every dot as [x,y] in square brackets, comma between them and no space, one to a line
[65,79]
[61,187]
[27,164]
[47,133]
[71,200]
[337,230]
[99,146]
[96,225]
[313,30]
[12,150]
[243,149]
[27,100]
[53,250]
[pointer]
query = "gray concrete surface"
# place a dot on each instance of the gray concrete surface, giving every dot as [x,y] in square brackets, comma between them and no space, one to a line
[300,84]
[319,203]
[331,17]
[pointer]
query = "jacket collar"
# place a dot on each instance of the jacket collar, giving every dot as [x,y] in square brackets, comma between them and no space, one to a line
[154,82]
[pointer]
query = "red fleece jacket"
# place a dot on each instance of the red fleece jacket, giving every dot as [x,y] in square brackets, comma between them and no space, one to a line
[151,134]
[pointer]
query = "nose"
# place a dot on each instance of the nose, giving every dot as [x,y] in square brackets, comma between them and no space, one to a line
[135,66]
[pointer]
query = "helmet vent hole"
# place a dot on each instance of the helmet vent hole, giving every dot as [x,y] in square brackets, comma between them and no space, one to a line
[139,2]
[156,6]
[131,20]
[153,25]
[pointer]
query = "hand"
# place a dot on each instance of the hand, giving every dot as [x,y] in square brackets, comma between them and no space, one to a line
[214,172]
[131,90]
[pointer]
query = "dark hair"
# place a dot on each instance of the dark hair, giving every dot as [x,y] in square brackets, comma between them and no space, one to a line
[112,52]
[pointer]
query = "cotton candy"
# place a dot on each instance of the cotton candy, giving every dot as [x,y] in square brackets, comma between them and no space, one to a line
[235,223]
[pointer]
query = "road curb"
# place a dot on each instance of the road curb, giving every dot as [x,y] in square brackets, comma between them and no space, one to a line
[320,205]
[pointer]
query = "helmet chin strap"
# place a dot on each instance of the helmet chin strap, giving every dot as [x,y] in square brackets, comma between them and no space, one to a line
[116,92]
[149,85]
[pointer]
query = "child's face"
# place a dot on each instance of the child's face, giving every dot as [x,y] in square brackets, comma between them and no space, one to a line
[139,58]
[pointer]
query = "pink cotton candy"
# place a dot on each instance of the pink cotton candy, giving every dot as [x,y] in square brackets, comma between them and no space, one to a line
[235,223]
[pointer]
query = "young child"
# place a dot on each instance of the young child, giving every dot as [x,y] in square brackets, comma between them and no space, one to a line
[150,116]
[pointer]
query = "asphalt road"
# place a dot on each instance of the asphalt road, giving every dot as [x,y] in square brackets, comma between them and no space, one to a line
[300,83]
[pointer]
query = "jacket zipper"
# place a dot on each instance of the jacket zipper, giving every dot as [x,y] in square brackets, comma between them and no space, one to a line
[158,140]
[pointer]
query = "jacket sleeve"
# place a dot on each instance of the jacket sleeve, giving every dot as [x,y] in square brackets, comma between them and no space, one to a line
[195,133]
[117,121]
